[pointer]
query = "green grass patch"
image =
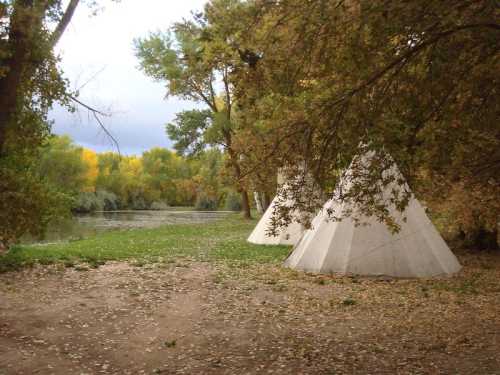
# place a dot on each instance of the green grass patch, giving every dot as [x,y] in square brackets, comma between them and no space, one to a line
[223,240]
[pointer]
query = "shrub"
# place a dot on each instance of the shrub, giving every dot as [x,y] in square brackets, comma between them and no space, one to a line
[109,201]
[233,202]
[87,202]
[159,206]
[137,202]
[102,200]
[205,203]
[27,202]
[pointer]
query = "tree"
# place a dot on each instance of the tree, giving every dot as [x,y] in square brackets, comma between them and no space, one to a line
[164,171]
[64,166]
[194,61]
[209,179]
[29,78]
[30,82]
[132,188]
[416,83]
[89,158]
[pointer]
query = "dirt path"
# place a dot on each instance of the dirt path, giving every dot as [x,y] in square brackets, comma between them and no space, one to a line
[198,318]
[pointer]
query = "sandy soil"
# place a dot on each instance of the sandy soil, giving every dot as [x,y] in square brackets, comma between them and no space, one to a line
[200,318]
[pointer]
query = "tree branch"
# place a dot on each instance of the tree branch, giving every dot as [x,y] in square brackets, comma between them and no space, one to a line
[405,57]
[96,113]
[64,22]
[225,78]
[199,92]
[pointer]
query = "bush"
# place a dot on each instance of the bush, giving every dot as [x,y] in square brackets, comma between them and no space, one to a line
[27,202]
[109,201]
[137,202]
[233,202]
[205,203]
[100,201]
[158,206]
[87,202]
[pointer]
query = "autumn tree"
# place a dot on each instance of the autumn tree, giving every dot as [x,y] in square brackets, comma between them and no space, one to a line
[64,166]
[165,173]
[415,82]
[30,82]
[89,158]
[29,78]
[195,62]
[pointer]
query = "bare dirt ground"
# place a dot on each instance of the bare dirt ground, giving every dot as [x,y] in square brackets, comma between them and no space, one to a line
[203,318]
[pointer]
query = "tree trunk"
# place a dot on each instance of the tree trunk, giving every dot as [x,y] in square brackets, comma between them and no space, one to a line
[25,23]
[258,202]
[245,204]
[485,240]
[10,84]
[266,202]
[233,157]
[64,22]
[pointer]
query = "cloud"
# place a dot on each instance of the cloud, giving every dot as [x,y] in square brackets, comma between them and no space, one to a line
[97,53]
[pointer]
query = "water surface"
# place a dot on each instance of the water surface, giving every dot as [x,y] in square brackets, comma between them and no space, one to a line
[85,225]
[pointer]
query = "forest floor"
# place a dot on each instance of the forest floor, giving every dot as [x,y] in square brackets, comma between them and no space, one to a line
[196,299]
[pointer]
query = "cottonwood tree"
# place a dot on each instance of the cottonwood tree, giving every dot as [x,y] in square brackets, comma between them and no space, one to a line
[30,82]
[415,82]
[29,78]
[196,63]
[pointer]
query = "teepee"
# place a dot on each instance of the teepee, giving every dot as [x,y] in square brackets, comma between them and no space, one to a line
[288,235]
[371,249]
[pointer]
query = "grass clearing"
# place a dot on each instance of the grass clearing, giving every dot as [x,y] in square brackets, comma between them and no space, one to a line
[223,240]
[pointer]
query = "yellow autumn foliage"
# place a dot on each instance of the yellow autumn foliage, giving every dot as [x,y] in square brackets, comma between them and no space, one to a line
[89,157]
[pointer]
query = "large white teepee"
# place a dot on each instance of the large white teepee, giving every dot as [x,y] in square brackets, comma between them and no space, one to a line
[417,250]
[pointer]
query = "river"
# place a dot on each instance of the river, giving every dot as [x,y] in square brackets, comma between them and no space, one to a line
[84,225]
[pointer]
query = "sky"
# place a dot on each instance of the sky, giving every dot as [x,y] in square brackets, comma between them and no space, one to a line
[98,59]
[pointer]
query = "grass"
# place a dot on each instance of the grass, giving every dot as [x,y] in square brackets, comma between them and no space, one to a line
[224,240]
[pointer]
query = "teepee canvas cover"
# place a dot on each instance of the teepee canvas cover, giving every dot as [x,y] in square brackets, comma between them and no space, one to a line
[417,250]
[287,236]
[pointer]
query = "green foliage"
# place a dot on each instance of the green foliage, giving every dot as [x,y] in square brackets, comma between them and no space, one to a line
[165,177]
[187,131]
[99,201]
[205,203]
[157,180]
[30,82]
[61,163]
[108,201]
[175,57]
[87,202]
[28,203]
[195,63]
[233,202]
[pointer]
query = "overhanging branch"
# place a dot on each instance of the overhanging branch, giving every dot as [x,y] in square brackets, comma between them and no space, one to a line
[64,22]
[96,113]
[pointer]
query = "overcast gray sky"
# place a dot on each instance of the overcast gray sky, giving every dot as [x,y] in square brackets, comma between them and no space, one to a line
[103,44]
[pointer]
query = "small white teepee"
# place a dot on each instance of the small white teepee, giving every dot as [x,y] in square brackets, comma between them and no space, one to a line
[417,250]
[287,236]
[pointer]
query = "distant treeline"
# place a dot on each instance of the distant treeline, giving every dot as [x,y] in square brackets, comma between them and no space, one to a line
[158,179]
